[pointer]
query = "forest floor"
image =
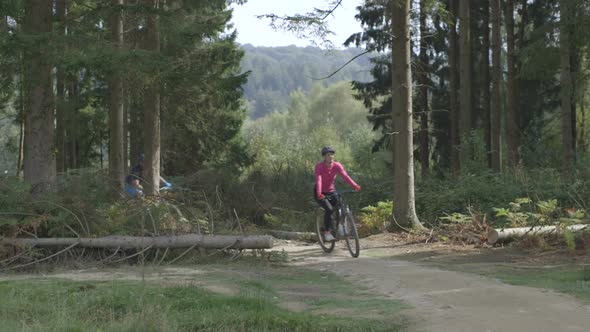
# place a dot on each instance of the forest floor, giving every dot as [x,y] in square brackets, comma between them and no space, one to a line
[393,285]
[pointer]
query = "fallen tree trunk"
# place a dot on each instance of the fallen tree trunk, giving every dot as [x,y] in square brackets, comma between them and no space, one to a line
[135,242]
[501,235]
[301,236]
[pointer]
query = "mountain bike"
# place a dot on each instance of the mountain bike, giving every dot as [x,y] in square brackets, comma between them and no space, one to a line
[345,226]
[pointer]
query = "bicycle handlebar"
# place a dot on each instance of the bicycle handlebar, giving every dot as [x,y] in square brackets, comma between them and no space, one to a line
[340,193]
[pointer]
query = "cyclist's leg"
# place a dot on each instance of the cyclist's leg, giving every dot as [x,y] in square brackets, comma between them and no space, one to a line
[332,201]
[328,209]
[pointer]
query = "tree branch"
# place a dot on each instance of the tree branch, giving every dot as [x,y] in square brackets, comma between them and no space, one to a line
[341,67]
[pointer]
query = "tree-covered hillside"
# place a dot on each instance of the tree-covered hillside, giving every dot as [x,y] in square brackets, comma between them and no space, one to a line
[278,71]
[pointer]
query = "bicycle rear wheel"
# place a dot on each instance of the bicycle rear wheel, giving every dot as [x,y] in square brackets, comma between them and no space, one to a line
[351,234]
[326,246]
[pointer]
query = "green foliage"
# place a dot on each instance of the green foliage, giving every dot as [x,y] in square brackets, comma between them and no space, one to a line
[570,241]
[375,218]
[436,197]
[524,212]
[456,218]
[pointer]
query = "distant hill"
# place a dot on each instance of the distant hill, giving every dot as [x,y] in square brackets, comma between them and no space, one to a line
[277,71]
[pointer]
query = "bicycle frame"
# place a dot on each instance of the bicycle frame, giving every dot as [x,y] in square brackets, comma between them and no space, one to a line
[343,228]
[340,210]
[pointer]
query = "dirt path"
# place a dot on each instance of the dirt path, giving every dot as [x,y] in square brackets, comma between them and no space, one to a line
[451,301]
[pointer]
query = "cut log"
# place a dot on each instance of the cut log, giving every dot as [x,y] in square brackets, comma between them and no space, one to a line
[134,242]
[300,236]
[505,234]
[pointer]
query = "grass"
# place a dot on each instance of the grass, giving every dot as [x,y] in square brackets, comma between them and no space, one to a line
[574,280]
[60,305]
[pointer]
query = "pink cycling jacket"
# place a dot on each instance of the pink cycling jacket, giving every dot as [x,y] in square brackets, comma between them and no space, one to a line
[325,177]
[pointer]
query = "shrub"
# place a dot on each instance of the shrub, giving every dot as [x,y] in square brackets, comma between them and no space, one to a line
[375,218]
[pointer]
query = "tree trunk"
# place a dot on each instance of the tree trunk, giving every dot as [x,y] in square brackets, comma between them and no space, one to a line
[496,81]
[454,87]
[22,122]
[575,76]
[465,78]
[582,135]
[423,99]
[72,130]
[403,198]
[505,234]
[152,109]
[512,118]
[39,157]
[566,88]
[60,126]
[156,242]
[485,78]
[299,236]
[21,144]
[136,134]
[126,134]
[524,21]
[116,166]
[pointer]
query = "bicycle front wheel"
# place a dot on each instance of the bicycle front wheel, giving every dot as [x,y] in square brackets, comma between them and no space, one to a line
[326,246]
[351,234]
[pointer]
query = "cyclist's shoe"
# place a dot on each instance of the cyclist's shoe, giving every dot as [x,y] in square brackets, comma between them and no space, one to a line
[328,237]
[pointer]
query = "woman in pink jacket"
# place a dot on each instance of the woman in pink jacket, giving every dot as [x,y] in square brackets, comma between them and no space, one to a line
[325,176]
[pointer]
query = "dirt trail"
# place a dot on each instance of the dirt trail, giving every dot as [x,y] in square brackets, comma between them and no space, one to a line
[451,301]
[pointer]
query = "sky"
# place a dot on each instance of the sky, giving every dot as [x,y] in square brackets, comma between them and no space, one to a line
[258,32]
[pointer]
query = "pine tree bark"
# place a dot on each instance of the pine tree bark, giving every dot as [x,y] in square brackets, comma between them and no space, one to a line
[454,87]
[423,98]
[126,133]
[465,77]
[116,166]
[135,133]
[566,87]
[135,39]
[575,77]
[21,145]
[72,132]
[60,126]
[152,109]
[485,78]
[524,21]
[21,121]
[512,116]
[404,210]
[496,81]
[39,156]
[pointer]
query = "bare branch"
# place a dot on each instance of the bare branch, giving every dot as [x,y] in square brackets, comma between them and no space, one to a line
[42,259]
[344,65]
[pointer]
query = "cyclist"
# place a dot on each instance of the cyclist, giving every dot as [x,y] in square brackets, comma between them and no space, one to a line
[325,176]
[133,180]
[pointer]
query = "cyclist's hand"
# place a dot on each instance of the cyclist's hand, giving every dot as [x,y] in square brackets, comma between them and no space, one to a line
[357,188]
[321,196]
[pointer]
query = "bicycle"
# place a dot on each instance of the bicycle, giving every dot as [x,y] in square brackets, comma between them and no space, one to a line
[344,223]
